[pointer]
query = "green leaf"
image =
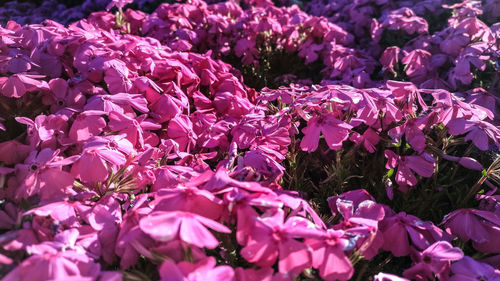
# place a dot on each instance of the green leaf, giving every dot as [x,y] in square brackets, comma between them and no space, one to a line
[485,174]
[389,173]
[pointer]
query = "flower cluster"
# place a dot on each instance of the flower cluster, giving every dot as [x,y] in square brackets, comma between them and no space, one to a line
[130,148]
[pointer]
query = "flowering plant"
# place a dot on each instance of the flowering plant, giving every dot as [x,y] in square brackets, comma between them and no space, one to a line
[250,140]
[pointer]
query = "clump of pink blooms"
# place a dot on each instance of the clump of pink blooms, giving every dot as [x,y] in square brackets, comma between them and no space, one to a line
[130,150]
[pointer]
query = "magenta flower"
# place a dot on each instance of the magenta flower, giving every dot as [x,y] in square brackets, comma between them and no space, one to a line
[47,131]
[243,203]
[361,220]
[99,153]
[417,63]
[406,94]
[120,102]
[65,95]
[86,125]
[422,164]
[231,104]
[334,131]
[405,19]
[189,227]
[131,240]
[180,129]
[48,263]
[41,174]
[63,212]
[412,130]
[328,255]
[390,58]
[355,196]
[435,260]
[270,238]
[469,269]
[402,230]
[200,271]
[188,199]
[369,139]
[15,86]
[477,225]
[479,132]
[135,129]
[391,113]
[388,277]
[13,152]
[251,274]
[165,107]
[105,218]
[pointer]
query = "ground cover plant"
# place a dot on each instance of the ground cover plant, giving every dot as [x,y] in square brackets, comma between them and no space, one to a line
[249,140]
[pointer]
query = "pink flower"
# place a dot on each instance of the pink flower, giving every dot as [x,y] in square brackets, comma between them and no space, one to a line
[328,255]
[412,129]
[180,129]
[131,239]
[86,125]
[118,3]
[398,228]
[479,132]
[434,260]
[388,277]
[97,153]
[250,274]
[369,139]
[121,102]
[203,270]
[477,225]
[64,95]
[137,130]
[17,85]
[417,63]
[422,164]
[41,174]
[467,162]
[334,131]
[390,58]
[231,104]
[469,269]
[63,212]
[188,199]
[243,203]
[105,218]
[270,238]
[189,227]
[406,94]
[50,264]
[13,152]
[405,19]
[361,220]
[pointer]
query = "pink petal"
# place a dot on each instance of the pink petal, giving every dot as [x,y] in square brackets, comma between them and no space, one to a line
[161,226]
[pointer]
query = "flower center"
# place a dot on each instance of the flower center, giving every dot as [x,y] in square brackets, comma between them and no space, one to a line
[34,167]
[427,259]
[277,235]
[112,145]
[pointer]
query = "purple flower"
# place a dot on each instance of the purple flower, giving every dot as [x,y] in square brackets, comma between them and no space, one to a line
[480,132]
[334,131]
[434,260]
[422,164]
[469,269]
